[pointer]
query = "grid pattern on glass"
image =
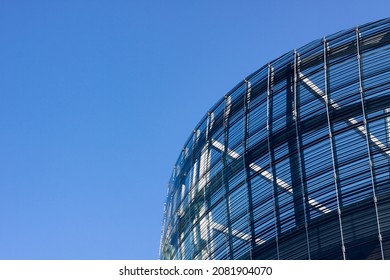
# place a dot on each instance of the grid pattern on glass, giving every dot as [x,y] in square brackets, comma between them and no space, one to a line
[293,163]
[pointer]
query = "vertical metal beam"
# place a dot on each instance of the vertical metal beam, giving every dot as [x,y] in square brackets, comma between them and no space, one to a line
[193,189]
[296,178]
[225,176]
[206,190]
[195,169]
[247,98]
[332,145]
[387,125]
[387,121]
[367,132]
[275,198]
[302,165]
[298,147]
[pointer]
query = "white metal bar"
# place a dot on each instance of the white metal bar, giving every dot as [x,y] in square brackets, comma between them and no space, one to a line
[268,176]
[352,121]
[236,233]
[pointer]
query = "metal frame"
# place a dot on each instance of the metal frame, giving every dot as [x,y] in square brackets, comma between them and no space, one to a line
[300,200]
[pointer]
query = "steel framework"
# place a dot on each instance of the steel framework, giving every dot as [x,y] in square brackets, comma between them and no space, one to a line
[293,163]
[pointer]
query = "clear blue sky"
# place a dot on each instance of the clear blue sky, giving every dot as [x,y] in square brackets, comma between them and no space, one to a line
[97,98]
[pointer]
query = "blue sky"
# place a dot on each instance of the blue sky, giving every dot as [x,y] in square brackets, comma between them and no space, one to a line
[97,98]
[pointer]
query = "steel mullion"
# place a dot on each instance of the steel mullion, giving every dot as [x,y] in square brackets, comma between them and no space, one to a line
[247,98]
[225,179]
[206,188]
[275,199]
[298,143]
[369,153]
[333,147]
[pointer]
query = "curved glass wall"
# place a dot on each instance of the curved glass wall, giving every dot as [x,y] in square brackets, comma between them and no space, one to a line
[294,162]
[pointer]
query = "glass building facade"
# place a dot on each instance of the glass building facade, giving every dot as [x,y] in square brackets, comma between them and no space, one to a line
[292,163]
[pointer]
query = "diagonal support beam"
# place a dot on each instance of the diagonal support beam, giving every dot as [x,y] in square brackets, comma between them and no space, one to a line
[267,175]
[361,129]
[236,233]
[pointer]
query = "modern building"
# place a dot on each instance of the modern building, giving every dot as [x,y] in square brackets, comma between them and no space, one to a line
[292,163]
